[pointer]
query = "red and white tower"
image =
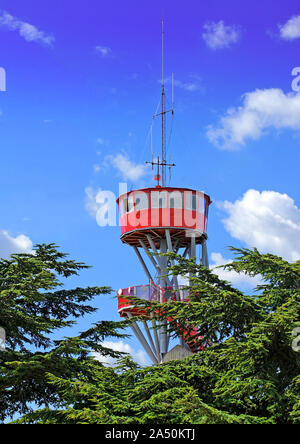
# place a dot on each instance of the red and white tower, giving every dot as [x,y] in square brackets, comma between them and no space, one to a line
[159,220]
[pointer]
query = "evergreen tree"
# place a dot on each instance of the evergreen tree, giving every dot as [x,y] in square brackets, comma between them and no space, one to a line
[33,306]
[246,372]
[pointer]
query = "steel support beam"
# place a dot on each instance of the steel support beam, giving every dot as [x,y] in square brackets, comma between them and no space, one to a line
[161,260]
[156,345]
[186,251]
[193,247]
[152,244]
[143,263]
[150,338]
[150,255]
[139,334]
[170,249]
[204,254]
[164,324]
[156,339]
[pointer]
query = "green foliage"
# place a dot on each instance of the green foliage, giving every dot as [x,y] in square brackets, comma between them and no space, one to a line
[33,306]
[248,372]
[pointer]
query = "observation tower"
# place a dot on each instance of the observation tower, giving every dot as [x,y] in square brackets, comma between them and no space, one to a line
[156,220]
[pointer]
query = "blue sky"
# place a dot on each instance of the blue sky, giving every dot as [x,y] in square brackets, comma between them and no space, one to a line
[82,84]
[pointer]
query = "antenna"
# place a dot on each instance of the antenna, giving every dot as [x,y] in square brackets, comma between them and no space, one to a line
[163,114]
[151,135]
[172,93]
[163,162]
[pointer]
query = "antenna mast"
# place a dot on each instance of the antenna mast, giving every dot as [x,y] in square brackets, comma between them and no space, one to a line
[163,115]
[163,162]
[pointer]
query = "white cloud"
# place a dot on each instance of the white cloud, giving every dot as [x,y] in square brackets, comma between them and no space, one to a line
[29,32]
[127,169]
[238,279]
[10,245]
[261,110]
[220,36]
[104,51]
[291,29]
[267,220]
[139,356]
